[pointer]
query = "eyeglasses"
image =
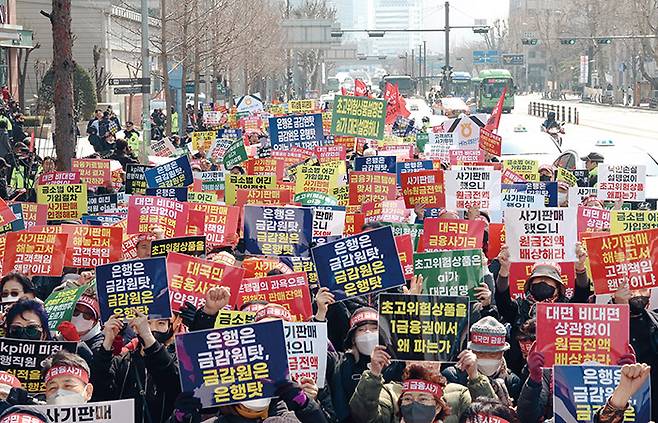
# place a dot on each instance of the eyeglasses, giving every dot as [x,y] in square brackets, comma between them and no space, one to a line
[85,315]
[6,294]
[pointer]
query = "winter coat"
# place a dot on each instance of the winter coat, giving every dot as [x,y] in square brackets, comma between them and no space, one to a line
[536,399]
[512,381]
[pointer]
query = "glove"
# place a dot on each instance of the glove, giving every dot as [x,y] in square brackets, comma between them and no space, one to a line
[117,345]
[292,394]
[19,396]
[535,363]
[69,331]
[187,408]
[187,313]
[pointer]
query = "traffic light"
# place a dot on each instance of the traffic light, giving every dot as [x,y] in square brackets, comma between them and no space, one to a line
[603,41]
[568,41]
[529,41]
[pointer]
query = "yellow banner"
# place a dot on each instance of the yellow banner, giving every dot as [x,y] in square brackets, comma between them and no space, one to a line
[201,197]
[277,109]
[203,140]
[528,169]
[319,178]
[342,194]
[65,201]
[301,106]
[255,182]
[632,220]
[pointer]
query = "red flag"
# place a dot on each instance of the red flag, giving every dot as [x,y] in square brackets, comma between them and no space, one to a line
[395,103]
[402,106]
[494,119]
[360,88]
[343,91]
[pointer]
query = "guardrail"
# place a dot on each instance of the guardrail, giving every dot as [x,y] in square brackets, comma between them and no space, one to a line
[567,114]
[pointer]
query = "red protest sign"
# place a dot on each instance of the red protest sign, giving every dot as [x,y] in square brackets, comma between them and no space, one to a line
[289,290]
[190,278]
[94,172]
[265,166]
[623,259]
[91,246]
[490,142]
[329,153]
[144,213]
[459,157]
[405,248]
[510,177]
[592,219]
[279,197]
[584,235]
[423,187]
[34,214]
[220,224]
[520,272]
[451,234]
[368,187]
[6,214]
[392,211]
[54,178]
[401,151]
[348,142]
[35,254]
[496,239]
[289,157]
[578,333]
[353,223]
[258,267]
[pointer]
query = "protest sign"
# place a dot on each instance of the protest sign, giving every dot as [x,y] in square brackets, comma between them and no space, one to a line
[452,234]
[221,144]
[16,223]
[467,188]
[330,153]
[302,131]
[120,411]
[201,197]
[93,172]
[135,179]
[328,221]
[315,199]
[526,168]
[581,390]
[422,327]
[202,140]
[56,178]
[301,106]
[189,245]
[592,219]
[412,166]
[366,187]
[578,194]
[91,246]
[280,231]
[490,142]
[438,146]
[36,254]
[322,178]
[60,305]
[519,272]
[541,235]
[353,223]
[176,173]
[144,213]
[567,177]
[618,182]
[6,213]
[220,223]
[249,182]
[128,286]
[163,148]
[520,199]
[547,190]
[386,211]
[263,196]
[375,164]
[176,193]
[579,333]
[461,157]
[358,117]
[228,318]
[405,247]
[23,358]
[399,152]
[190,278]
[100,203]
[360,264]
[623,259]
[65,201]
[265,166]
[632,220]
[306,343]
[258,360]
[455,272]
[424,187]
[213,181]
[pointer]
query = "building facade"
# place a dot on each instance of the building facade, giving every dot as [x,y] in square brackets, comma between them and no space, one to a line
[13,39]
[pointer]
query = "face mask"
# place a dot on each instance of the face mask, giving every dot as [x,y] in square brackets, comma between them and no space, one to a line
[257,404]
[29,332]
[638,304]
[544,178]
[81,324]
[542,291]
[366,342]
[11,298]
[418,413]
[562,198]
[163,337]
[95,330]
[64,397]
[488,366]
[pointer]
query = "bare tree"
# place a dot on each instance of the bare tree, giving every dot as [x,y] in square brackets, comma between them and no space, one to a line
[101,76]
[23,57]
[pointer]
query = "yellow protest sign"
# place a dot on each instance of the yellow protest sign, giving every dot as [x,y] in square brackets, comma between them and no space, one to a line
[201,197]
[564,175]
[277,109]
[229,318]
[342,194]
[250,182]
[65,201]
[203,140]
[319,178]
[301,106]
[632,220]
[528,169]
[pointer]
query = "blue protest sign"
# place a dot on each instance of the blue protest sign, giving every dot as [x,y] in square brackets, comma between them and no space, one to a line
[360,264]
[178,193]
[375,164]
[279,231]
[225,366]
[581,390]
[176,173]
[303,131]
[404,167]
[107,220]
[232,133]
[547,189]
[127,286]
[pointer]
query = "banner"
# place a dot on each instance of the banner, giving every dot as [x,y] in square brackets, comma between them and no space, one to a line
[465,157]
[56,178]
[135,178]
[306,343]
[219,223]
[144,213]
[367,187]
[23,358]
[302,131]
[266,166]
[422,327]
[330,153]
[301,106]
[249,182]
[322,178]
[541,235]
[315,199]
[35,254]
[120,411]
[189,245]
[190,278]
[177,193]
[581,390]
[358,117]
[547,190]
[203,140]
[65,201]
[375,164]
[279,231]
[412,166]
[213,181]
[580,333]
[162,148]
[438,146]
[288,290]
[592,219]
[133,285]
[360,264]
[219,378]
[201,197]
[176,173]
[60,305]
[467,188]
[386,211]
[229,318]
[424,187]
[452,234]
[99,203]
[519,272]
[490,142]
[632,220]
[623,259]
[454,273]
[93,172]
[618,182]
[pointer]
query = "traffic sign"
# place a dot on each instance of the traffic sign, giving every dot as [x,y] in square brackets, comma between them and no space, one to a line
[513,59]
[481,57]
[130,81]
[139,89]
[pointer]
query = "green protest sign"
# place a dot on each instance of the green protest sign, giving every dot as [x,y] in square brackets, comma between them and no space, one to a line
[358,117]
[413,229]
[61,304]
[235,155]
[455,272]
[315,199]
[422,139]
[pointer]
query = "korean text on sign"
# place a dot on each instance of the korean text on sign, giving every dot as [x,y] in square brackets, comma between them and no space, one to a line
[454,273]
[281,231]
[547,234]
[632,220]
[66,201]
[366,187]
[472,188]
[306,343]
[621,182]
[423,187]
[37,254]
[452,234]
[358,117]
[289,290]
[144,213]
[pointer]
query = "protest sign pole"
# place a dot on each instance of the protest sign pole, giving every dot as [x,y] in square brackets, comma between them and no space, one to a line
[146,97]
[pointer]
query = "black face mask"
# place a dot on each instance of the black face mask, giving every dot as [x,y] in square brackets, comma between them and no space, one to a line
[638,304]
[163,337]
[542,291]
[544,178]
[29,332]
[418,413]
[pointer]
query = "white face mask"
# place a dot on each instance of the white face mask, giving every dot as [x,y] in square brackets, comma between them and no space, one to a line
[81,324]
[562,198]
[11,299]
[488,366]
[64,397]
[257,404]
[366,342]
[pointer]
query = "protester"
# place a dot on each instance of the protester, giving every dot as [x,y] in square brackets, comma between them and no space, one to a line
[67,380]
[27,319]
[632,378]
[592,161]
[7,381]
[15,286]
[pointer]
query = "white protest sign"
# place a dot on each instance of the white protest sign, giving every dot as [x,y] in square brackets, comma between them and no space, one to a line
[306,343]
[163,148]
[120,411]
[578,194]
[521,200]
[466,131]
[466,188]
[212,118]
[438,146]
[548,234]
[249,104]
[328,222]
[622,182]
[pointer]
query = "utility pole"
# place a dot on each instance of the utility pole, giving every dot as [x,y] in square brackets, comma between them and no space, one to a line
[413,63]
[446,76]
[424,67]
[288,59]
[146,73]
[420,66]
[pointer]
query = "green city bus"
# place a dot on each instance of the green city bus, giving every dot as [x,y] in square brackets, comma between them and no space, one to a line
[492,82]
